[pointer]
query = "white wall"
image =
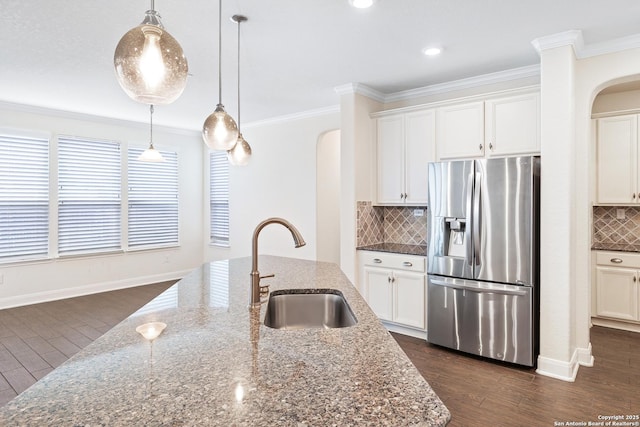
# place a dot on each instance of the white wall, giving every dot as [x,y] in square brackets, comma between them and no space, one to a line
[280,180]
[328,197]
[31,282]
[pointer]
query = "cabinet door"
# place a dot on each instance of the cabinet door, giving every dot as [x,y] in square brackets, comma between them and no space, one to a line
[409,298]
[378,291]
[617,293]
[460,131]
[390,160]
[420,135]
[512,125]
[617,159]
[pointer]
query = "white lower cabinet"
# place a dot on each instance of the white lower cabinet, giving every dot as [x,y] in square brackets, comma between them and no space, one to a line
[394,286]
[617,284]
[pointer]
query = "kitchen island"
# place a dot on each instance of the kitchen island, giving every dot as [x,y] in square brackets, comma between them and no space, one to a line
[216,363]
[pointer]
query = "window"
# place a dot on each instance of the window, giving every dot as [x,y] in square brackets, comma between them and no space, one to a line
[89,195]
[219,197]
[153,200]
[24,197]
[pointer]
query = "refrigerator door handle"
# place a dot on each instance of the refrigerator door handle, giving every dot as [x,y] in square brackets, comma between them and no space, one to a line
[477,194]
[494,290]
[470,217]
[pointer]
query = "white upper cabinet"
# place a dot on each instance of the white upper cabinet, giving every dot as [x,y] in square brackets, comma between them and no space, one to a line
[497,127]
[617,160]
[460,131]
[405,144]
[512,125]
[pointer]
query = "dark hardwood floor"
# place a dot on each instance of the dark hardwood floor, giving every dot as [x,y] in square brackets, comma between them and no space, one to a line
[37,338]
[484,393]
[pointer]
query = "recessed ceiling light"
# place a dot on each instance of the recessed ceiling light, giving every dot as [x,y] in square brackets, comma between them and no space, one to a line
[361,4]
[432,51]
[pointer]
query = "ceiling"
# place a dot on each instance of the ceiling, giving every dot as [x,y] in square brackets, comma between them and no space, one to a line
[59,54]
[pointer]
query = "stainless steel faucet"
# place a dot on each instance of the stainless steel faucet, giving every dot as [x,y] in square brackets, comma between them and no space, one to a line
[254,299]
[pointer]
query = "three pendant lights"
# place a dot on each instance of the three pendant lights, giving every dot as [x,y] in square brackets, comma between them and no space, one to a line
[151,68]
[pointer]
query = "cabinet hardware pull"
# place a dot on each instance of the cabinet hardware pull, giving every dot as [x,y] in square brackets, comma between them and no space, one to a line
[393,280]
[377,260]
[491,146]
[407,264]
[401,195]
[389,279]
[634,279]
[405,196]
[480,147]
[616,260]
[633,196]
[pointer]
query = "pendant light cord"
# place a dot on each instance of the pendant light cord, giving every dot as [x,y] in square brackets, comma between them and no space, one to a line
[151,125]
[153,5]
[219,51]
[239,21]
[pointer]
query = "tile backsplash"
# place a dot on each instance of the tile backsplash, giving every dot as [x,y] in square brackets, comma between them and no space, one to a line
[608,231]
[390,224]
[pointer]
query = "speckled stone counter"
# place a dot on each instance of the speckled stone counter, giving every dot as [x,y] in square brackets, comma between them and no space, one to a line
[396,248]
[217,364]
[616,247]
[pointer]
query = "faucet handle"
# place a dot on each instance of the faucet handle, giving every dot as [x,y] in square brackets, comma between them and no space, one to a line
[266,276]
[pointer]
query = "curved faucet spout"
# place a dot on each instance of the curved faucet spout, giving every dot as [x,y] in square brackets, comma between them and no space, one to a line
[254,300]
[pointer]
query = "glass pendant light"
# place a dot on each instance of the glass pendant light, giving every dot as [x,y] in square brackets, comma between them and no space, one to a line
[150,64]
[241,152]
[151,154]
[220,131]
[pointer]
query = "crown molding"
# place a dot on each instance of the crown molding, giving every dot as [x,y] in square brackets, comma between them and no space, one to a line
[571,38]
[574,39]
[333,109]
[110,121]
[471,82]
[360,89]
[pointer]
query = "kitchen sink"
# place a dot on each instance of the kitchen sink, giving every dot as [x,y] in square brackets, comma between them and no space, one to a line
[308,308]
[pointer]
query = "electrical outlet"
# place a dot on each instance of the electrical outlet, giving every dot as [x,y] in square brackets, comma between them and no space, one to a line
[620,214]
[418,212]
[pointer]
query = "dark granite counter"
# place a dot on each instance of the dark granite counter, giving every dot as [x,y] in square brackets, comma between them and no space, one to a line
[397,248]
[619,247]
[217,364]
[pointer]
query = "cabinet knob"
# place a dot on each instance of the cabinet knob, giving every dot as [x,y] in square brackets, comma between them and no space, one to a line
[491,146]
[377,260]
[405,196]
[633,196]
[480,147]
[389,279]
[634,279]
[616,260]
[407,264]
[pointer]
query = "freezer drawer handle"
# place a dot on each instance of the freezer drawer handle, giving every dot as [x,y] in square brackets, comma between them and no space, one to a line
[616,260]
[377,261]
[407,264]
[475,289]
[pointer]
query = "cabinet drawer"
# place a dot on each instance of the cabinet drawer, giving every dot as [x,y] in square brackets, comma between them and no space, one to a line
[618,259]
[395,261]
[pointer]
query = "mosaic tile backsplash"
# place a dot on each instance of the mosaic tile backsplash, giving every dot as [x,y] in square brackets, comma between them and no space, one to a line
[390,224]
[616,234]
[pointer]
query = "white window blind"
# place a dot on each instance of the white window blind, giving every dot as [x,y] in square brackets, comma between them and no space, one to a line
[153,200]
[89,195]
[219,197]
[24,197]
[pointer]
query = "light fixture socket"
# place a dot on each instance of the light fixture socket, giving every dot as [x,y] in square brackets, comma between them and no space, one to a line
[152,330]
[362,4]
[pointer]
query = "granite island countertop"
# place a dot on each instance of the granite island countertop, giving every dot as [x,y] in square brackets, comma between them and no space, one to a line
[217,364]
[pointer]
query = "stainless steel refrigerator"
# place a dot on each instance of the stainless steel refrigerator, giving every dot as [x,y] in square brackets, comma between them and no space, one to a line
[483,257]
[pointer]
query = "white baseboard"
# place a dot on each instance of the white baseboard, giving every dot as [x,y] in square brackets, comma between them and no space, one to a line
[416,333]
[610,323]
[565,371]
[58,294]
